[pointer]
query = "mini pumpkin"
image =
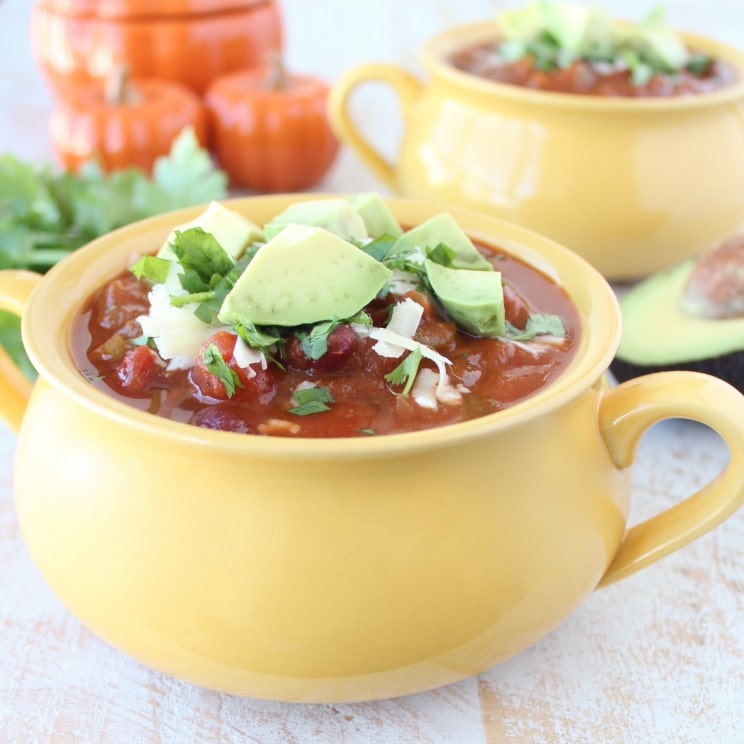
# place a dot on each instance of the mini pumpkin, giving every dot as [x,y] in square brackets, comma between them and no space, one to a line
[124,124]
[76,42]
[269,128]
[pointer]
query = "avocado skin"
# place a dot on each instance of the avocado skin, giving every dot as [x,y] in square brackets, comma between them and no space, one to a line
[729,367]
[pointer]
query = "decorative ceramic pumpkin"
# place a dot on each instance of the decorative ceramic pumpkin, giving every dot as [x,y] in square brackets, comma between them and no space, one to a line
[270,129]
[125,124]
[188,41]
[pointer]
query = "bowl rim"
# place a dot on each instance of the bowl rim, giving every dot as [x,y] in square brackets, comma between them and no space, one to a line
[48,317]
[434,53]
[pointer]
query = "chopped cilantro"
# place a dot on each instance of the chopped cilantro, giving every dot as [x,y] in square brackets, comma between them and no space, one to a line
[152,268]
[380,247]
[405,372]
[190,299]
[255,338]
[212,304]
[311,400]
[441,254]
[538,324]
[315,341]
[368,432]
[699,64]
[361,319]
[216,365]
[199,250]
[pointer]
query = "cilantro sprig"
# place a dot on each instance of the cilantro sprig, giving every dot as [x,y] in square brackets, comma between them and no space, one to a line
[46,214]
[311,400]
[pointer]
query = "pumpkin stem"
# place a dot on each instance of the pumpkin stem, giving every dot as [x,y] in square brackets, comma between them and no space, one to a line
[118,89]
[276,72]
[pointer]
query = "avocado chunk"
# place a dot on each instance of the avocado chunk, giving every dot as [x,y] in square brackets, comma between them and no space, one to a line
[231,229]
[657,42]
[473,299]
[376,215]
[659,335]
[304,275]
[336,215]
[443,229]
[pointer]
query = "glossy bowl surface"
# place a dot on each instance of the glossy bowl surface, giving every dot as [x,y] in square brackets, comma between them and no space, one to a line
[632,185]
[341,569]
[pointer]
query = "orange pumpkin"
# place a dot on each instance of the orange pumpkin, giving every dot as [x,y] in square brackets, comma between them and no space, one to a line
[76,42]
[126,125]
[269,129]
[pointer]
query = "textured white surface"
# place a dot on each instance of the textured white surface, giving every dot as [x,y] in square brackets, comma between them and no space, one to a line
[656,658]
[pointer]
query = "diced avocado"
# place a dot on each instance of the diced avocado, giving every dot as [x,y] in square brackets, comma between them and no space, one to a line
[376,215]
[474,299]
[659,335]
[336,215]
[653,38]
[567,23]
[521,23]
[304,275]
[231,230]
[444,229]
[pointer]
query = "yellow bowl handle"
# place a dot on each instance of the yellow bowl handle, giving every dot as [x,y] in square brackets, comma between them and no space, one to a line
[626,412]
[15,387]
[407,89]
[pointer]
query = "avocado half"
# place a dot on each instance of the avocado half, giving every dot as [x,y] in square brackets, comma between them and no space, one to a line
[658,335]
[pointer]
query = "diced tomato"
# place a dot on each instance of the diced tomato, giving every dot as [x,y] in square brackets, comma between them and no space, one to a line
[138,369]
[254,383]
[122,302]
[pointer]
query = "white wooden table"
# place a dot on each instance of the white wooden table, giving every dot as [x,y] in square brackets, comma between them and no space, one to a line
[658,657]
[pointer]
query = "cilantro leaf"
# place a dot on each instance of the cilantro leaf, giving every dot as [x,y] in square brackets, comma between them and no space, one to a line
[380,247]
[361,319]
[311,400]
[255,338]
[151,267]
[187,176]
[441,254]
[538,324]
[46,214]
[405,372]
[200,252]
[10,340]
[699,64]
[212,302]
[315,341]
[216,365]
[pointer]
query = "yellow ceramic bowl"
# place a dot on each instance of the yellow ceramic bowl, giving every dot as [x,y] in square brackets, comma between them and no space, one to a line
[341,569]
[631,185]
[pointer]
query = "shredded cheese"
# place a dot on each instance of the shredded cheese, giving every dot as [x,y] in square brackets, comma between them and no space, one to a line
[401,282]
[177,332]
[245,357]
[405,317]
[428,390]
